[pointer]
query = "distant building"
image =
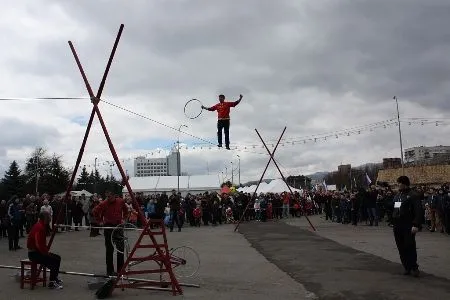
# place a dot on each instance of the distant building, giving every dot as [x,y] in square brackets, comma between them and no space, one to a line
[423,154]
[392,163]
[172,163]
[345,169]
[166,166]
[144,167]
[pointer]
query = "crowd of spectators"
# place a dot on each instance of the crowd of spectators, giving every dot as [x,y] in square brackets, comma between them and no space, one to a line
[371,206]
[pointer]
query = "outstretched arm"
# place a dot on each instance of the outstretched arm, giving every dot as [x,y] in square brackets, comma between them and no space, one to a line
[212,108]
[238,101]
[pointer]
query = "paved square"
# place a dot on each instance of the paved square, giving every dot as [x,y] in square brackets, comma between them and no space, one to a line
[332,264]
[230,269]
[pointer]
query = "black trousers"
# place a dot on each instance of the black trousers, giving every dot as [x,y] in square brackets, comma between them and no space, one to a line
[446,221]
[406,245]
[3,228]
[175,218]
[354,215]
[225,126]
[118,241]
[50,261]
[13,236]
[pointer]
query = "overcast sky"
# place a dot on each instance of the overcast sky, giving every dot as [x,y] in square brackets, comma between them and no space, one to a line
[312,66]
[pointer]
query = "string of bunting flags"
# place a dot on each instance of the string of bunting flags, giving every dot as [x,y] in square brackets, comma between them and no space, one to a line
[292,141]
[251,148]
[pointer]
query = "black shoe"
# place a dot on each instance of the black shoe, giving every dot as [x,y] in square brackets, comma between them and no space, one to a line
[59,281]
[406,273]
[228,148]
[179,229]
[220,145]
[415,273]
[53,285]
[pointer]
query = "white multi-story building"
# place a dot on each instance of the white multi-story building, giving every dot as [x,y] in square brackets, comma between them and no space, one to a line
[150,167]
[422,153]
[173,163]
[167,166]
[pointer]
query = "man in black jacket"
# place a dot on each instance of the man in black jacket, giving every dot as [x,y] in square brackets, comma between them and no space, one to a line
[406,220]
[175,206]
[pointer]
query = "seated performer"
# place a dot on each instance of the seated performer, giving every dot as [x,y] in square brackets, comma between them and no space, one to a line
[223,122]
[38,251]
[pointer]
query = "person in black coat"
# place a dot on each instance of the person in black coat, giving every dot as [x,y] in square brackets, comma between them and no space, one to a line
[406,220]
[15,221]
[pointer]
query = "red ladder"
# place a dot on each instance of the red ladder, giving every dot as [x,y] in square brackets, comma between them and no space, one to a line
[161,257]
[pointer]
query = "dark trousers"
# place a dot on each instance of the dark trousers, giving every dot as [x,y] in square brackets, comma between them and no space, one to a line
[190,217]
[355,217]
[446,220]
[175,218]
[225,125]
[373,216]
[406,245]
[206,217]
[217,217]
[50,261]
[328,213]
[118,241]
[3,227]
[13,236]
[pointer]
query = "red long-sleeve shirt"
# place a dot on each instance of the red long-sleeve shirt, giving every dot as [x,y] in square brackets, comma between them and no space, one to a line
[112,213]
[37,238]
[223,109]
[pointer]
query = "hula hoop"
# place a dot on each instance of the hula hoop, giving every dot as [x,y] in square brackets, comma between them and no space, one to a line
[198,103]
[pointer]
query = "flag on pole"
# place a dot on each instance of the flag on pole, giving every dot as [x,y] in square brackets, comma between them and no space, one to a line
[368,179]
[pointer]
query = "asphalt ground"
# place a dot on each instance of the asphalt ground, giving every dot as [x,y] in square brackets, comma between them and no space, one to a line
[230,269]
[345,262]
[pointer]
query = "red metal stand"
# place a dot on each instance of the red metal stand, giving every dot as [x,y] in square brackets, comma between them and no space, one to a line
[163,256]
[264,172]
[160,257]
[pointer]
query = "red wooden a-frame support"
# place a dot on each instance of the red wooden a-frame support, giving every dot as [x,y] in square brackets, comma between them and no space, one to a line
[162,255]
[264,172]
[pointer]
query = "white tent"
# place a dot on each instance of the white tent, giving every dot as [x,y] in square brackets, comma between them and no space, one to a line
[251,189]
[187,184]
[277,186]
[79,193]
[76,193]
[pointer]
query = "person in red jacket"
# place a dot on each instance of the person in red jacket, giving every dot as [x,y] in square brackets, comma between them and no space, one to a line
[38,251]
[223,114]
[111,213]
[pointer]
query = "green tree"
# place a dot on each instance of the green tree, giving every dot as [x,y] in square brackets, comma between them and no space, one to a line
[58,177]
[84,180]
[96,180]
[13,181]
[45,174]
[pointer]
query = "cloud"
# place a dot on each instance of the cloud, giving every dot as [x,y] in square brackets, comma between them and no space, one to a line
[313,67]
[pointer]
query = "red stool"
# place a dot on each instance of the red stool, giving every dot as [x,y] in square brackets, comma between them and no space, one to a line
[33,279]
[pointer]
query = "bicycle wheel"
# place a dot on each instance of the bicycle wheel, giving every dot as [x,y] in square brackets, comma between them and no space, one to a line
[124,237]
[185,261]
